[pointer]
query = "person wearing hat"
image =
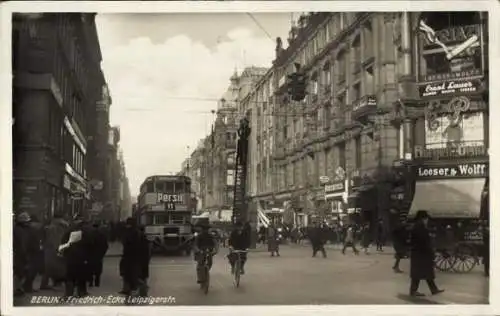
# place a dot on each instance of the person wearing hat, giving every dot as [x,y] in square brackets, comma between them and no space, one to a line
[238,240]
[130,262]
[204,241]
[75,248]
[422,256]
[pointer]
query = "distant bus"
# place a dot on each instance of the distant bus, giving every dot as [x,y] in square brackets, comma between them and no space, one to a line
[166,205]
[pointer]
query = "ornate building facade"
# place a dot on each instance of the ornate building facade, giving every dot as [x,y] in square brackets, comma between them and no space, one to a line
[444,123]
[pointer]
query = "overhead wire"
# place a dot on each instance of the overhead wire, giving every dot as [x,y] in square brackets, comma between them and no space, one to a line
[260,26]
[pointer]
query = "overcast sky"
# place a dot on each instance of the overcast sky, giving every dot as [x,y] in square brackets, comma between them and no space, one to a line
[153,62]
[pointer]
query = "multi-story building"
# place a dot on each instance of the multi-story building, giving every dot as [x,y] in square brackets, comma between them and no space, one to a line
[444,121]
[213,162]
[57,82]
[98,163]
[258,104]
[192,167]
[338,139]
[125,206]
[374,86]
[112,189]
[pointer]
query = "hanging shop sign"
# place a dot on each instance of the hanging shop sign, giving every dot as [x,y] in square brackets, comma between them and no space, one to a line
[335,187]
[470,170]
[450,88]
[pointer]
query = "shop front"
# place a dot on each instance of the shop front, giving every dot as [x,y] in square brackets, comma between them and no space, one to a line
[362,201]
[451,190]
[76,193]
[336,195]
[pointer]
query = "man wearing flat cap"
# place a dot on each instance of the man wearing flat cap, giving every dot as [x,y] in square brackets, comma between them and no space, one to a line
[422,256]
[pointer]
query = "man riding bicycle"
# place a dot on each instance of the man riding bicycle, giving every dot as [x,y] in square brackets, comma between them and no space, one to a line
[204,242]
[238,240]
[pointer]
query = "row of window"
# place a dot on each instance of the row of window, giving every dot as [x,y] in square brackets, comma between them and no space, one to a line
[168,187]
[62,143]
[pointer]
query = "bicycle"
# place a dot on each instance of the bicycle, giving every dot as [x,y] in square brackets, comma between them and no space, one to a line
[237,266]
[205,284]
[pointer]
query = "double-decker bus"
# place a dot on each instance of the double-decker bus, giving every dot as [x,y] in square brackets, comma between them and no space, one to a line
[166,205]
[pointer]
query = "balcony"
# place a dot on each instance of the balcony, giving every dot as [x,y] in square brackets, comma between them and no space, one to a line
[363,107]
[450,151]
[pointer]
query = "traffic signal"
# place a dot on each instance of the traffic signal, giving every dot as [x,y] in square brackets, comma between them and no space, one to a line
[297,86]
[301,87]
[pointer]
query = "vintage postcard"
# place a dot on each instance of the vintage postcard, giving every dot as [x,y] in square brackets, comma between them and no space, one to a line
[274,157]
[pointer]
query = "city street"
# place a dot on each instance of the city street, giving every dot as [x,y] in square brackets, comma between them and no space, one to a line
[295,278]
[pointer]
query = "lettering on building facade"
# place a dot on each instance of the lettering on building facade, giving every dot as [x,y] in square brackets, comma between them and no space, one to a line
[471,170]
[450,88]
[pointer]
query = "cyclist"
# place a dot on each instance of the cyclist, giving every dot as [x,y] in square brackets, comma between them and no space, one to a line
[204,241]
[238,240]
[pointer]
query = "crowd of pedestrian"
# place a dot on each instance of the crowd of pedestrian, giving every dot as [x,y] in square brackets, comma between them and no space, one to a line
[61,251]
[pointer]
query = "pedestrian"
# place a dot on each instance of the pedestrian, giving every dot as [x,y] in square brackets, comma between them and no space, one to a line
[380,235]
[399,242]
[54,263]
[422,255]
[20,252]
[366,238]
[33,238]
[272,240]
[96,256]
[349,240]
[130,262]
[145,258]
[75,249]
[317,239]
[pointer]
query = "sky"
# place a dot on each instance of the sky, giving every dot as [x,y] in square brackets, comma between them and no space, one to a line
[166,72]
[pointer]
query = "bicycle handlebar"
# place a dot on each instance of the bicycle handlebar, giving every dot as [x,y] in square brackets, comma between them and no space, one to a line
[239,251]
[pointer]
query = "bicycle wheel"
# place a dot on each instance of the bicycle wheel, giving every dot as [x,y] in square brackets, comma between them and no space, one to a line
[206,284]
[444,262]
[237,273]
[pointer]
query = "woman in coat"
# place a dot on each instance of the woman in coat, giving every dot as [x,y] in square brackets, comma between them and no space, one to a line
[422,256]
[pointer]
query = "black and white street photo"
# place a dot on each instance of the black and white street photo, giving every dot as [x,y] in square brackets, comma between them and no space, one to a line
[250,158]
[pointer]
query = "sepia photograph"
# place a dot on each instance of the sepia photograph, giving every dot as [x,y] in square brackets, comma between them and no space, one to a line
[250,158]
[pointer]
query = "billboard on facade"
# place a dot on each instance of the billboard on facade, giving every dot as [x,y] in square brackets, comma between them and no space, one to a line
[451,46]
[442,132]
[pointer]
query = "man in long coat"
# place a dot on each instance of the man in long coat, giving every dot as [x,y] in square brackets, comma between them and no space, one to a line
[97,252]
[422,256]
[130,261]
[76,256]
[53,262]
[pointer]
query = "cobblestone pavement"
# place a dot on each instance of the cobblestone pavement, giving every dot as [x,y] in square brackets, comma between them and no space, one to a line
[293,278]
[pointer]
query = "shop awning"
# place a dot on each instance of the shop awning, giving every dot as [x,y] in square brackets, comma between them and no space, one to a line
[451,198]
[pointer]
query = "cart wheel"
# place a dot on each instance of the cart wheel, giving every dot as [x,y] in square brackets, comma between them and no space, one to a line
[444,262]
[464,263]
[466,259]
